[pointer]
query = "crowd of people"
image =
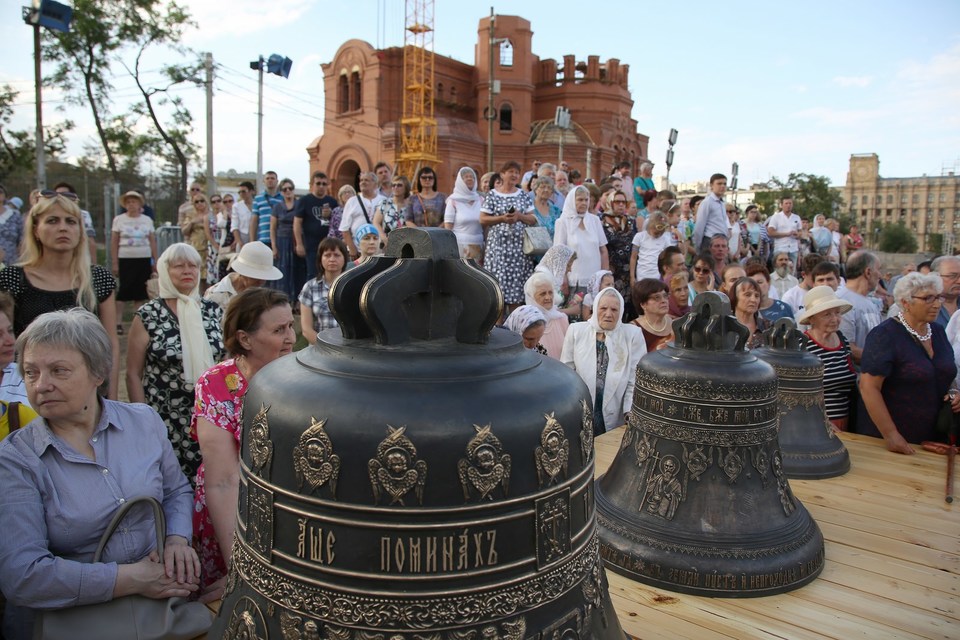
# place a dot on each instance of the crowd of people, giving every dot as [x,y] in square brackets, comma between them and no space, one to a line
[593,274]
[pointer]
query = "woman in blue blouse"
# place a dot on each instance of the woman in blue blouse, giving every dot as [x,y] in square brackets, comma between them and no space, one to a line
[66,473]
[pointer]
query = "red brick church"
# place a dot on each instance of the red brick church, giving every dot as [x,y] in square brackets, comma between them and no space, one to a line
[364,101]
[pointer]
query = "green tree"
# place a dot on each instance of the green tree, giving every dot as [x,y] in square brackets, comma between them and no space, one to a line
[811,195]
[101,31]
[18,148]
[896,238]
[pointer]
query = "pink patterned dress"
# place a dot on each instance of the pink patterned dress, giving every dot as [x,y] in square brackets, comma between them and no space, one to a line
[219,400]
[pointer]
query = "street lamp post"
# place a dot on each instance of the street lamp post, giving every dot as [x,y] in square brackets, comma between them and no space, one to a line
[277,65]
[671,140]
[55,16]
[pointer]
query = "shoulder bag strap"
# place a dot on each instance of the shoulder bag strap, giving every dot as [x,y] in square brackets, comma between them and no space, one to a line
[158,520]
[363,208]
[13,416]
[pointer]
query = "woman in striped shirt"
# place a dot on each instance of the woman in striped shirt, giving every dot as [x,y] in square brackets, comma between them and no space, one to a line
[822,311]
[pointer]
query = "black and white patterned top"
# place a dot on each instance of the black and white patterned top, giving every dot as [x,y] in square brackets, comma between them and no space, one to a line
[164,388]
[504,256]
[32,302]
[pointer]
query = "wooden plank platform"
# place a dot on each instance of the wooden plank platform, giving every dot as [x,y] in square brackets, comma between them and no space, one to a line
[892,562]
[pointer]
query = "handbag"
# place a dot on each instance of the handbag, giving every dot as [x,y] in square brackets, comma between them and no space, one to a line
[130,617]
[536,241]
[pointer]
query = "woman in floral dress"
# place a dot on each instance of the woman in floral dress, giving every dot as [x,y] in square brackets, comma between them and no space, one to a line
[258,329]
[173,339]
[505,213]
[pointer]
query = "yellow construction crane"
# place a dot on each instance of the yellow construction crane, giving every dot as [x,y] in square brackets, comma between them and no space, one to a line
[418,127]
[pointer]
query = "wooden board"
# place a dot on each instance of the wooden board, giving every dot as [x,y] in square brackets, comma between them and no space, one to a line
[892,566]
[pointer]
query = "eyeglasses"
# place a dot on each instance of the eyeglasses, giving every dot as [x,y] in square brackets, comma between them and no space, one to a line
[929,299]
[949,276]
[216,200]
[228,201]
[619,202]
[663,296]
[53,194]
[199,202]
[286,189]
[322,184]
[427,177]
[702,269]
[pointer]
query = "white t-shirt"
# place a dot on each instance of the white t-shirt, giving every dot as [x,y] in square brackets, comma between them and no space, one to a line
[353,217]
[780,223]
[586,242]
[465,219]
[134,235]
[648,252]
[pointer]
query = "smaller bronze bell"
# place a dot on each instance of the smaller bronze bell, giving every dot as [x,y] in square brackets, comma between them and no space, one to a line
[696,500]
[811,450]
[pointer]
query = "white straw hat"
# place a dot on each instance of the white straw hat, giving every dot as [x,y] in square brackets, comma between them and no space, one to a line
[820,299]
[255,260]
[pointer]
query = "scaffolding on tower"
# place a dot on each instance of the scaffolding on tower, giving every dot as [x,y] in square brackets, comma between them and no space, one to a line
[418,126]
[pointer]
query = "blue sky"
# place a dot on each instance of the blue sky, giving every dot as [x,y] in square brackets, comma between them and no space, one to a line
[777,87]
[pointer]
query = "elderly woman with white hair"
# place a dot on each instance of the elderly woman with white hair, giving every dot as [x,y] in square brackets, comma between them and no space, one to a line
[605,353]
[65,474]
[539,291]
[907,369]
[173,339]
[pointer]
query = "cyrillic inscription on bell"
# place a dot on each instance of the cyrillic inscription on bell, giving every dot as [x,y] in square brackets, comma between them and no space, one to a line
[696,499]
[401,481]
[811,449]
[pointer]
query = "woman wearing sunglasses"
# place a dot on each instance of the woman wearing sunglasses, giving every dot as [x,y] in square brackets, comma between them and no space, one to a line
[199,234]
[55,273]
[427,204]
[292,266]
[703,279]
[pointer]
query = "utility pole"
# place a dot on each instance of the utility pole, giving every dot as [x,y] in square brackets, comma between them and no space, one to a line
[260,125]
[491,113]
[41,152]
[211,181]
[55,16]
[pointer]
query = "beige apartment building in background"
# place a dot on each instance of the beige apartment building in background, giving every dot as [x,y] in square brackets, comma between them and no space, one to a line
[927,205]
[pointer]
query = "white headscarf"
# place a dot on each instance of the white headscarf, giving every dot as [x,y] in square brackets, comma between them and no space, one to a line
[461,193]
[625,346]
[570,203]
[197,354]
[522,317]
[554,263]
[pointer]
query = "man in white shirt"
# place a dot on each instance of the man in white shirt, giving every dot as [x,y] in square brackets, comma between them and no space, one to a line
[863,276]
[242,210]
[358,211]
[781,280]
[384,179]
[784,227]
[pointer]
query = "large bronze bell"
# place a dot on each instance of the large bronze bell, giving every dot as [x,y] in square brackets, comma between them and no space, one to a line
[811,450]
[696,499]
[421,476]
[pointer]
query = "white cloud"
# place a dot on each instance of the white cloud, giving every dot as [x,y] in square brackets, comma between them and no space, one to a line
[244,17]
[839,117]
[853,81]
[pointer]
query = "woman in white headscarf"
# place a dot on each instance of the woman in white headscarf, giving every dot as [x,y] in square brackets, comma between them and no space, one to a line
[821,235]
[556,263]
[462,215]
[173,339]
[605,353]
[539,292]
[582,232]
[529,323]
